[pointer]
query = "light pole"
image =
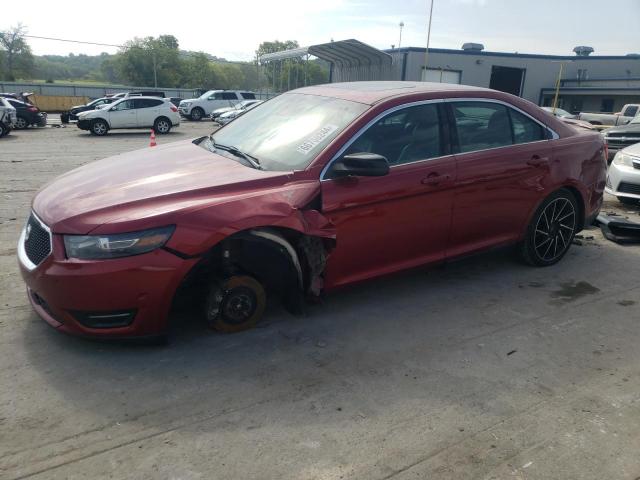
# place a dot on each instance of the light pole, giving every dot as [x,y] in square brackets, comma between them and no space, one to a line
[426,52]
[400,40]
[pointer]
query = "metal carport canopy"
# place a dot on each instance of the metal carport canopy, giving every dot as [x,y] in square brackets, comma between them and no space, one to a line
[347,53]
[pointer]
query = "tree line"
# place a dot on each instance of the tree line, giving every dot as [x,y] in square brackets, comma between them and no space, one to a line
[157,61]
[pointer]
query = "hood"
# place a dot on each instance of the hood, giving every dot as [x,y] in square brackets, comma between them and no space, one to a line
[633,150]
[145,185]
[188,100]
[628,128]
[223,110]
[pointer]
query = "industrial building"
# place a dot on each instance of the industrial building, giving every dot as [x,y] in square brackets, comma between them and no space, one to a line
[588,82]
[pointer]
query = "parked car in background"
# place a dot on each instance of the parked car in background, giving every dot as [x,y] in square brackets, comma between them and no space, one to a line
[134,112]
[140,93]
[577,123]
[238,110]
[623,117]
[197,108]
[621,137]
[23,96]
[558,112]
[7,117]
[27,115]
[623,176]
[219,111]
[72,113]
[175,100]
[279,202]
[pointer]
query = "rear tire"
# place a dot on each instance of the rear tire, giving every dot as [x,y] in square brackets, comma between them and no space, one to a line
[551,231]
[99,127]
[628,201]
[3,130]
[235,304]
[21,123]
[162,125]
[197,114]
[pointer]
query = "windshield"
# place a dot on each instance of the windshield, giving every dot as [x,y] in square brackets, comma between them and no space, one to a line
[289,131]
[206,94]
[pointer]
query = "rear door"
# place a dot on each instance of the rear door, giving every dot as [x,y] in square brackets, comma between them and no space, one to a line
[123,114]
[148,110]
[503,159]
[232,98]
[400,220]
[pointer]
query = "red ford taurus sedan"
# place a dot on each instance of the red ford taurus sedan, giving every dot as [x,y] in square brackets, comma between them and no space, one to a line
[315,189]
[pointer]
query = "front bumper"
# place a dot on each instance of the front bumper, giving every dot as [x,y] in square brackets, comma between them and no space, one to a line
[83,124]
[67,292]
[623,181]
[185,112]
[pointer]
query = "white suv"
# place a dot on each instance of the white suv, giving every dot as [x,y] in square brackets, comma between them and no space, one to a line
[197,108]
[134,112]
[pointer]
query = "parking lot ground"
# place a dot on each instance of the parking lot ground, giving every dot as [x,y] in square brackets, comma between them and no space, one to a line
[483,368]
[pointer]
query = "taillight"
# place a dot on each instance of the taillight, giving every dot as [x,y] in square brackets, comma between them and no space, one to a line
[606,151]
[33,109]
[174,108]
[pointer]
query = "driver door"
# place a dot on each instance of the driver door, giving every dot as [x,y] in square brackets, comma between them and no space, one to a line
[389,223]
[123,114]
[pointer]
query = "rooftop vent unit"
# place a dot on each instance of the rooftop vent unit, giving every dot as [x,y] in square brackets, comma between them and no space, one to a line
[583,51]
[473,47]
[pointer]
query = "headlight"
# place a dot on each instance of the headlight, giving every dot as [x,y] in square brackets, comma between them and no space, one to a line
[185,104]
[623,159]
[94,247]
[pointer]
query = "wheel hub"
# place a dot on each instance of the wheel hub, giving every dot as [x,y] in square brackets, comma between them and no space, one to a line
[239,304]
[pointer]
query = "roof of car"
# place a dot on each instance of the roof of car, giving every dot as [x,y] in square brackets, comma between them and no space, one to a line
[374,92]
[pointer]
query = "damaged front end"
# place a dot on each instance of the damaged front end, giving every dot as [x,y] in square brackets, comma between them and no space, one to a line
[283,245]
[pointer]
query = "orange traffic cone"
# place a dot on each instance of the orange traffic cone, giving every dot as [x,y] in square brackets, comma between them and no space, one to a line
[152,143]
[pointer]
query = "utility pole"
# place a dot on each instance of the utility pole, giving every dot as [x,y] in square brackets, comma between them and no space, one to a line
[155,69]
[400,40]
[426,52]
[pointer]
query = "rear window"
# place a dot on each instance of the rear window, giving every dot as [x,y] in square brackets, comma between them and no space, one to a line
[248,95]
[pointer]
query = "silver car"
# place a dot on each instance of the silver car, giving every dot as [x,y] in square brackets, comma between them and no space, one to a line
[8,117]
[623,176]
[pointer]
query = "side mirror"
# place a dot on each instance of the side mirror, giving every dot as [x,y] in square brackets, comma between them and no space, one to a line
[360,165]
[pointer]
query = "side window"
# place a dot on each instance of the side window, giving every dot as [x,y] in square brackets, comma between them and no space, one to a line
[248,95]
[526,130]
[229,96]
[147,103]
[404,136]
[124,105]
[482,125]
[216,96]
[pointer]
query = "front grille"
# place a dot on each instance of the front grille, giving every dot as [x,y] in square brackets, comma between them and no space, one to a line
[37,241]
[625,187]
[621,140]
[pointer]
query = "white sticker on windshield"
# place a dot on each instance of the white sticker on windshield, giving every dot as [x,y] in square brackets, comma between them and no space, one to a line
[316,138]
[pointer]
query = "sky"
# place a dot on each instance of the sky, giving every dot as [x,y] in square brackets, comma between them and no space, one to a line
[233,30]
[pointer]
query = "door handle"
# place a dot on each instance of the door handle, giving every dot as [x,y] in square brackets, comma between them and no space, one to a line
[538,161]
[434,179]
